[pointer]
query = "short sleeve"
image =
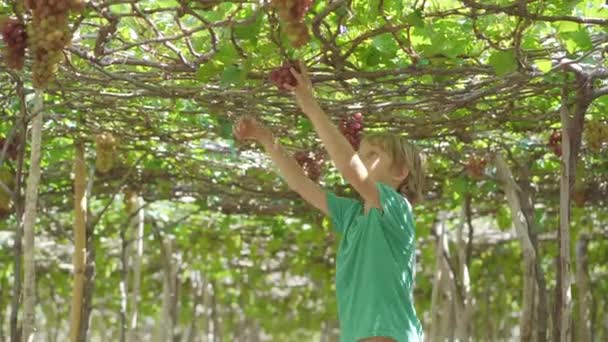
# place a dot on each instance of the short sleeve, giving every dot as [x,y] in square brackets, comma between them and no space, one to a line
[342,211]
[395,207]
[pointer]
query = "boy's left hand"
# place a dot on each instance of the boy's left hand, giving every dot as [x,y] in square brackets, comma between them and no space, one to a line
[303,89]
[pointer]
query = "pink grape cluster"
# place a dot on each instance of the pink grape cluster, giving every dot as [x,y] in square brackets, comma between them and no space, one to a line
[311,163]
[555,142]
[15,38]
[291,13]
[352,128]
[282,75]
[11,150]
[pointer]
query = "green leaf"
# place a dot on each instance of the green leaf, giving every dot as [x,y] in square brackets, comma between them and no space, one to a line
[225,127]
[385,44]
[566,26]
[503,218]
[372,9]
[305,125]
[227,54]
[503,62]
[461,185]
[208,71]
[394,5]
[543,65]
[372,56]
[415,19]
[577,41]
[251,31]
[233,74]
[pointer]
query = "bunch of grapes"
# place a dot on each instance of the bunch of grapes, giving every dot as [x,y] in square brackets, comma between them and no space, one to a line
[579,197]
[106,145]
[130,199]
[282,75]
[11,150]
[48,34]
[311,163]
[6,202]
[291,13]
[15,37]
[555,142]
[475,166]
[351,128]
[596,134]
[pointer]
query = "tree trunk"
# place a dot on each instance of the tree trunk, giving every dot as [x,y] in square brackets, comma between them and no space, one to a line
[138,239]
[521,227]
[583,291]
[80,215]
[31,198]
[19,207]
[216,331]
[564,303]
[124,283]
[441,310]
[464,308]
[198,289]
[527,205]
[3,285]
[167,319]
[89,285]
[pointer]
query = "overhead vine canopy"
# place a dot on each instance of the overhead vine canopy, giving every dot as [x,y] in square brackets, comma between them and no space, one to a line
[462,73]
[463,79]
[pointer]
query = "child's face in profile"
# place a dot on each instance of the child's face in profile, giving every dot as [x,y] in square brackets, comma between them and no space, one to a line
[377,162]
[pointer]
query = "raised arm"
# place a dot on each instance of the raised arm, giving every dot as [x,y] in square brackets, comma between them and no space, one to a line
[289,170]
[345,158]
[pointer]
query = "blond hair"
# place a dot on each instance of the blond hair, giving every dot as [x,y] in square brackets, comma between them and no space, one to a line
[402,153]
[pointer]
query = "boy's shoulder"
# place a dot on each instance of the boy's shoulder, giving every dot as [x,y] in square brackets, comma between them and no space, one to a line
[394,202]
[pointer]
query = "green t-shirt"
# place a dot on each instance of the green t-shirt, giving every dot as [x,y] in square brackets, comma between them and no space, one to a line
[375,267]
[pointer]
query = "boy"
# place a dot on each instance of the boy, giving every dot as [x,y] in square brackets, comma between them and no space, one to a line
[376,257]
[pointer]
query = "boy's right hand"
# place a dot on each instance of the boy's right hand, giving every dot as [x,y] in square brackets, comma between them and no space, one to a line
[247,128]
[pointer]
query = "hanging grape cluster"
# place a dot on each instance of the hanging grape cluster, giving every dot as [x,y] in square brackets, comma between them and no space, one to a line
[106,145]
[311,163]
[6,202]
[596,134]
[475,166]
[11,150]
[130,199]
[48,34]
[15,38]
[555,142]
[352,128]
[291,13]
[281,75]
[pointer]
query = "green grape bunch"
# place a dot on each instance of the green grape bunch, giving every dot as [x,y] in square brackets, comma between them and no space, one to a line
[48,33]
[596,134]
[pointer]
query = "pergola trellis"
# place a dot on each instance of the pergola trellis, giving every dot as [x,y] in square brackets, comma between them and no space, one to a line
[148,73]
[168,78]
